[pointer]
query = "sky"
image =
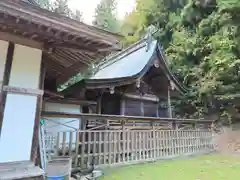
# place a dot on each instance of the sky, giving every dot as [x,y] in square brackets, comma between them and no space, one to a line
[87,8]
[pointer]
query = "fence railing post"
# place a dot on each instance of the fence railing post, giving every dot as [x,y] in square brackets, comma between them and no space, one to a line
[154,140]
[123,144]
[83,148]
[130,146]
[77,148]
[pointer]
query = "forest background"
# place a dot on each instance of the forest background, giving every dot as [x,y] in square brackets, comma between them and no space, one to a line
[201,42]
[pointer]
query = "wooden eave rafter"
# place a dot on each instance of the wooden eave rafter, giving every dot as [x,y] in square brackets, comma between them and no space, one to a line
[68,45]
[53,21]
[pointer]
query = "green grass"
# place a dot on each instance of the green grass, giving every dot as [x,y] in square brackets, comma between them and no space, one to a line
[209,167]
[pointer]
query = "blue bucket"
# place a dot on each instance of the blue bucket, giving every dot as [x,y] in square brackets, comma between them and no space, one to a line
[56,177]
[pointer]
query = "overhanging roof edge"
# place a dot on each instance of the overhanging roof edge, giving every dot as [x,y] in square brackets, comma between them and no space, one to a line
[27,10]
[109,82]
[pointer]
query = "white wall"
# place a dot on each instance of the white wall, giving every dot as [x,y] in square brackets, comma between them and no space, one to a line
[19,113]
[53,128]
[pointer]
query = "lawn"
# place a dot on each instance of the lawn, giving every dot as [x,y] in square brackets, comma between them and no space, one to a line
[209,167]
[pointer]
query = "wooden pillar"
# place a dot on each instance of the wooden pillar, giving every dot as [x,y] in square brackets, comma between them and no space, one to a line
[21,93]
[123,107]
[142,108]
[6,57]
[157,110]
[175,125]
[99,105]
[169,103]
[35,140]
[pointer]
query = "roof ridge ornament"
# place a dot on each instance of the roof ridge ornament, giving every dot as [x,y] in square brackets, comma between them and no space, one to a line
[149,36]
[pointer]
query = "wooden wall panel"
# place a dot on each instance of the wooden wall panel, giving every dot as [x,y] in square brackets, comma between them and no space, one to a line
[111,104]
[150,109]
[132,107]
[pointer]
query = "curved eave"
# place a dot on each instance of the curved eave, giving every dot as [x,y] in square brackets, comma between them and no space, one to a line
[180,87]
[100,82]
[106,83]
[114,82]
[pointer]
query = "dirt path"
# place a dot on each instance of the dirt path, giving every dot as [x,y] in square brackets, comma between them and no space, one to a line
[228,142]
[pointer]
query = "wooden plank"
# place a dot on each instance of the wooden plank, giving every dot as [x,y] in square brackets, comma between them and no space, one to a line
[83,148]
[115,147]
[105,147]
[94,144]
[100,148]
[71,101]
[161,143]
[77,148]
[146,97]
[119,149]
[53,94]
[57,144]
[145,145]
[110,139]
[89,135]
[169,103]
[13,165]
[132,146]
[64,148]
[123,107]
[119,117]
[99,105]
[25,91]
[128,139]
[70,143]
[35,139]
[20,40]
[141,145]
[137,145]
[123,144]
[22,173]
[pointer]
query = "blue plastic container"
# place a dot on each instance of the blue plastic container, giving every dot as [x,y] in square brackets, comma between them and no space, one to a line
[57,177]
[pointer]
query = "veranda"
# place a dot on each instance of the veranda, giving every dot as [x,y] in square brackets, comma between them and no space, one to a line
[128,140]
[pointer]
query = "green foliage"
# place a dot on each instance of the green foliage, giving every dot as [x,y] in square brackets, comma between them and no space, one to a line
[201,41]
[44,4]
[61,7]
[105,16]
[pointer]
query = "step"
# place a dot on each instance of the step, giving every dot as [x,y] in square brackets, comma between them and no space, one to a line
[19,170]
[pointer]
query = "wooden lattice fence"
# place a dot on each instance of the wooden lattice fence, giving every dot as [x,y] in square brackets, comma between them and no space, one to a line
[130,146]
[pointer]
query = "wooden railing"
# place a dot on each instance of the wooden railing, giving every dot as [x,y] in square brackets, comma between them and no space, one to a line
[116,122]
[107,147]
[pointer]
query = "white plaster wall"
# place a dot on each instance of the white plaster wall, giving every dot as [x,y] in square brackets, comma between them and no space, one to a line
[17,130]
[3,56]
[52,128]
[19,113]
[25,67]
